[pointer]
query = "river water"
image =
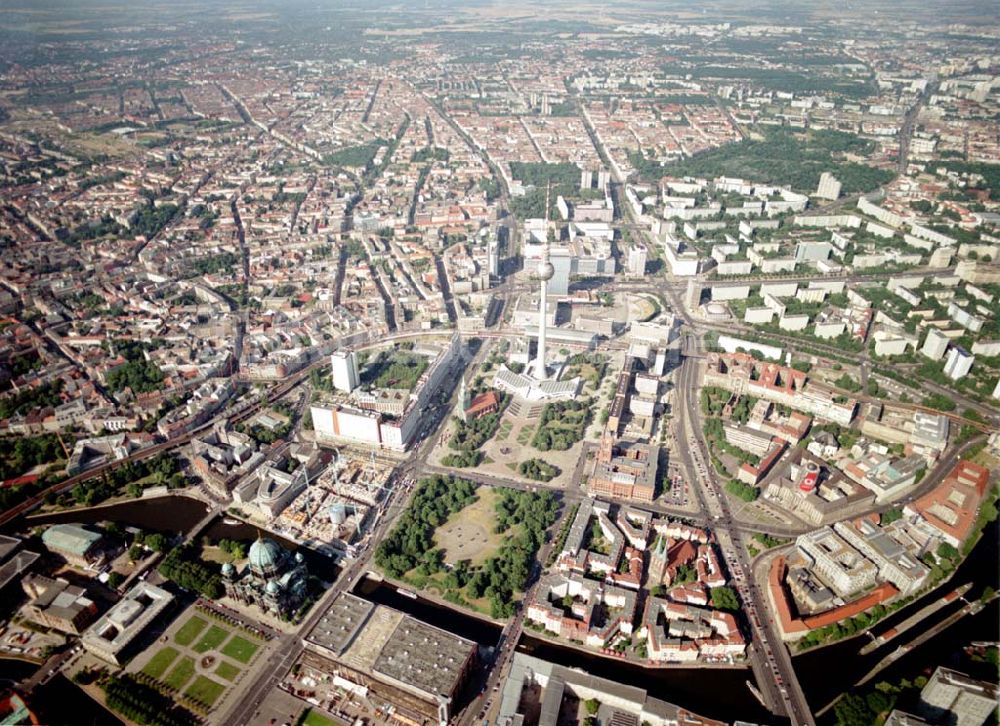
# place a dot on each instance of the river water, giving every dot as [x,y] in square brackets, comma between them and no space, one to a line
[484,632]
[169,515]
[177,515]
[719,693]
[697,689]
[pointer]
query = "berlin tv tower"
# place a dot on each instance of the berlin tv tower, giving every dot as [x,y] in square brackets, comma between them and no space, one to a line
[544,273]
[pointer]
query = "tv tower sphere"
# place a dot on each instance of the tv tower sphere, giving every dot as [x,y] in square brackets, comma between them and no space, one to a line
[545,270]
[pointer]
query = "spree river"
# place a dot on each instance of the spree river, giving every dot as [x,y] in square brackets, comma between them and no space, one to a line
[174,514]
[698,689]
[719,693]
[177,514]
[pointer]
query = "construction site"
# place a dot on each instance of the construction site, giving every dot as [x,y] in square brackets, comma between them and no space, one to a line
[333,513]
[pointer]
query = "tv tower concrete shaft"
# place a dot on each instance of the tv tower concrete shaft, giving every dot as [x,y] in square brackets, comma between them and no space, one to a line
[545,273]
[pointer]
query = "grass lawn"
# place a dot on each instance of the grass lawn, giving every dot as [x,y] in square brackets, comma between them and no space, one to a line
[205,690]
[227,670]
[211,553]
[984,458]
[190,630]
[181,673]
[525,435]
[587,371]
[240,649]
[212,639]
[314,718]
[159,663]
[504,432]
[468,534]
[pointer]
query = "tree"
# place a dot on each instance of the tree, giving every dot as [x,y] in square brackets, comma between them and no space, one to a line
[234,548]
[156,542]
[30,399]
[685,573]
[471,435]
[743,491]
[848,383]
[538,470]
[435,499]
[562,424]
[940,402]
[724,598]
[139,375]
[852,710]
[781,157]
[142,703]
[879,702]
[592,705]
[81,494]
[500,608]
[181,567]
[947,552]
[891,515]
[463,459]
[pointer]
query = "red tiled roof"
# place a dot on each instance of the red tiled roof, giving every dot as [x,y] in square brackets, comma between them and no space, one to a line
[793,624]
[483,402]
[960,494]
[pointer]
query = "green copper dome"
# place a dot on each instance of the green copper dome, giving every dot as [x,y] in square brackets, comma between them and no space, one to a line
[265,555]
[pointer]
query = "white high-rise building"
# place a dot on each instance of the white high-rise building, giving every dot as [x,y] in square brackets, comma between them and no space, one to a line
[637,255]
[958,363]
[829,187]
[562,265]
[493,255]
[345,370]
[693,294]
[935,344]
